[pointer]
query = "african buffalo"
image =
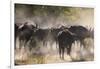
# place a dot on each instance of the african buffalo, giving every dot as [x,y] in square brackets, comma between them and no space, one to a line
[81,33]
[24,33]
[54,33]
[68,35]
[65,40]
[41,35]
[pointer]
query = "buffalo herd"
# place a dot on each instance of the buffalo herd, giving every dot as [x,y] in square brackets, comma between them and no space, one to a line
[63,36]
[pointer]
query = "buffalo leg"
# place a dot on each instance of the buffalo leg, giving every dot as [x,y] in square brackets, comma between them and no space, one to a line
[62,52]
[69,49]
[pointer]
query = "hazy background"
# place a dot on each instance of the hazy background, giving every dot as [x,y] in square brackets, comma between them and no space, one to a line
[54,16]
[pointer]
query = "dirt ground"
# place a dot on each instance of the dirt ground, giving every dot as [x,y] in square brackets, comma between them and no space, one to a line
[46,55]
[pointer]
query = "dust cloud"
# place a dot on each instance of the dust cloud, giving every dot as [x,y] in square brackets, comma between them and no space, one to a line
[81,16]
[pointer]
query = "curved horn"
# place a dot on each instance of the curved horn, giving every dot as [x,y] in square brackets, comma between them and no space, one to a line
[20,26]
[70,32]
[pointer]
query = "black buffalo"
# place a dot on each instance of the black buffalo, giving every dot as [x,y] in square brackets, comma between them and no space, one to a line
[68,35]
[24,33]
[41,35]
[54,33]
[81,33]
